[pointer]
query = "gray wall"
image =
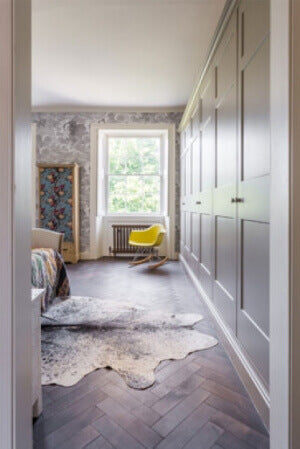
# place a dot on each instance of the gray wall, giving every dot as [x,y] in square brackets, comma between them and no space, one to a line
[65,138]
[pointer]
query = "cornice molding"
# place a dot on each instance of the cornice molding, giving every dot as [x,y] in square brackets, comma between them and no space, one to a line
[226,14]
[95,109]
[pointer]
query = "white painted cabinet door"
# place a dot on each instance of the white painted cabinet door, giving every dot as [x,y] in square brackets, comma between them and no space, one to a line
[253,183]
[224,193]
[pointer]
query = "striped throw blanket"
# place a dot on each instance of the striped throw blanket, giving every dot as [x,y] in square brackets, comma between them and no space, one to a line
[48,271]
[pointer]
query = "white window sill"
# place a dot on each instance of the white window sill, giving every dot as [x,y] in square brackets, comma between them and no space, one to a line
[134,216]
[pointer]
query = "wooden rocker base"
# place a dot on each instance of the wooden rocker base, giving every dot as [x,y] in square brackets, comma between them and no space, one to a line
[159,264]
[139,262]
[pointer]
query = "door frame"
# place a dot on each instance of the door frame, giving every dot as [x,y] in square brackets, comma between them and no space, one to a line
[6,268]
[15,182]
[285,229]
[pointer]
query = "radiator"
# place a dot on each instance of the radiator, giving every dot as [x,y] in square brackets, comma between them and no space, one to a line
[121,233]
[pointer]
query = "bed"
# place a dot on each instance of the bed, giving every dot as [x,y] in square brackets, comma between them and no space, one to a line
[48,270]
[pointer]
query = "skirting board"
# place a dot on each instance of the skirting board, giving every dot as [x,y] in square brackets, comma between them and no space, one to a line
[248,376]
[85,256]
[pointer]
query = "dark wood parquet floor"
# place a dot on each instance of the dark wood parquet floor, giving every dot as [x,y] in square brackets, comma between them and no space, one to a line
[196,403]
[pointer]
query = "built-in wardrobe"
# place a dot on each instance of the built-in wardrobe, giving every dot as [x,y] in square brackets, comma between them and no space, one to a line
[225,174]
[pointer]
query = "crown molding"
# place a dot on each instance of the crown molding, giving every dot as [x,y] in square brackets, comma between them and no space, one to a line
[226,14]
[95,109]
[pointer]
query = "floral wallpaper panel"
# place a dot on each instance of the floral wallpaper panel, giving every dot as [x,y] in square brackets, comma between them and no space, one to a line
[56,184]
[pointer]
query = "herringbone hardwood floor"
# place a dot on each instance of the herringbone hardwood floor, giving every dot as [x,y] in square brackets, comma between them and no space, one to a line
[196,403]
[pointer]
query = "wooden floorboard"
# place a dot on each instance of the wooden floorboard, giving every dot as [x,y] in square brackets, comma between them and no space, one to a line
[196,403]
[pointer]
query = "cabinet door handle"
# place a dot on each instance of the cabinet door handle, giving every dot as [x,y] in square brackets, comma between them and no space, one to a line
[183,204]
[198,202]
[237,200]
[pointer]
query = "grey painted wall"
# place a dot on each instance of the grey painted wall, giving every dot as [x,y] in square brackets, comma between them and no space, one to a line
[65,138]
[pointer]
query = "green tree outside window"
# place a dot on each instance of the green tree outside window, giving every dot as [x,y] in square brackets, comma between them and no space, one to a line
[134,179]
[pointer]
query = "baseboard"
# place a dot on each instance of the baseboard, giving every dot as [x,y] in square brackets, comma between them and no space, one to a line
[253,384]
[85,255]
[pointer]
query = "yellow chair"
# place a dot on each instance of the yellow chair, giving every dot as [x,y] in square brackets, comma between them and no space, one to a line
[147,241]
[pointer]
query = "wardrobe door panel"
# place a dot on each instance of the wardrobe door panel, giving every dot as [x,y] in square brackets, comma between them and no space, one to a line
[253,185]
[255,282]
[254,26]
[196,122]
[182,142]
[255,113]
[188,236]
[225,235]
[188,133]
[207,137]
[183,173]
[208,96]
[196,166]
[207,132]
[206,252]
[253,321]
[226,128]
[225,268]
[226,60]
[182,228]
[188,174]
[207,149]
[206,242]
[253,313]
[196,236]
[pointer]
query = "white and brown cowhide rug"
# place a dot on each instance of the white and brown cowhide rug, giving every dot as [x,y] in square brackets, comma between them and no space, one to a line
[84,334]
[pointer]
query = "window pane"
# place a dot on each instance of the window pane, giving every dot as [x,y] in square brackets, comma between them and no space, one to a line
[150,153]
[135,194]
[133,157]
[117,156]
[152,194]
[134,175]
[151,204]
[117,194]
[152,185]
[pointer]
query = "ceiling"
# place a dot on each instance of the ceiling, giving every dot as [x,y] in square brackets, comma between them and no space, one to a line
[119,53]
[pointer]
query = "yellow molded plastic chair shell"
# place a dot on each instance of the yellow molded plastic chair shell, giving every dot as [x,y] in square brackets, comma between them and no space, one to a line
[149,237]
[147,240]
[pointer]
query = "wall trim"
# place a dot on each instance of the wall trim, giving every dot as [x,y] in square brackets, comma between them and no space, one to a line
[284,385]
[224,19]
[96,224]
[95,109]
[250,379]
[34,175]
[7,408]
[85,255]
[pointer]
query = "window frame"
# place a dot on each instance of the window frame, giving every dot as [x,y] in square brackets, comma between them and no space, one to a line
[143,133]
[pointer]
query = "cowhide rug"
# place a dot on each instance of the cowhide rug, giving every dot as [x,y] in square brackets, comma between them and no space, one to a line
[84,334]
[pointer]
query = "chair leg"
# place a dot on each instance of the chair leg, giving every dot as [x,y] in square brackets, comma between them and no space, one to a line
[139,262]
[158,264]
[140,253]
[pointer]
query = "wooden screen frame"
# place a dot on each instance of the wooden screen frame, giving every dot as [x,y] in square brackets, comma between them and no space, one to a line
[75,208]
